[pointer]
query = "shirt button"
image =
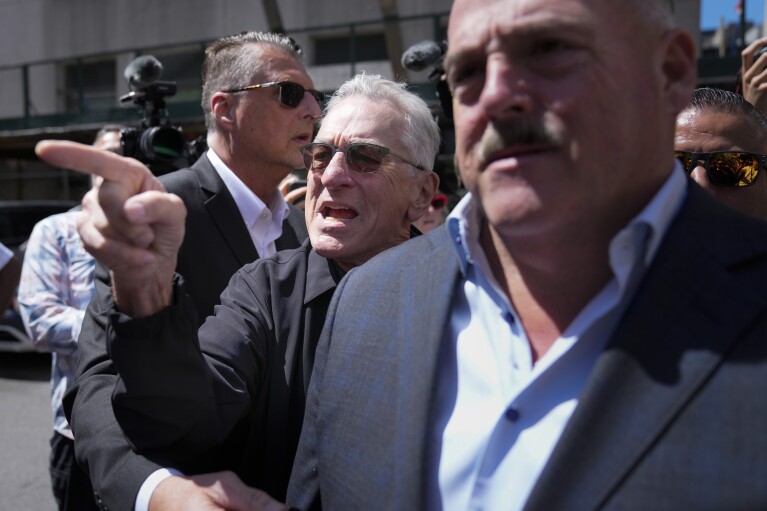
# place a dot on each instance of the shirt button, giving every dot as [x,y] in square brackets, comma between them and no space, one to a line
[512,414]
[509,317]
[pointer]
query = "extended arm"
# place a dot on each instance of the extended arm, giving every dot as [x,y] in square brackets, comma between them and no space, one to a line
[128,223]
[117,471]
[184,390]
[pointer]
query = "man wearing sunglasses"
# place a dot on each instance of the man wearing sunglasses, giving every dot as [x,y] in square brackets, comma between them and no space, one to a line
[237,387]
[721,141]
[589,328]
[435,215]
[259,108]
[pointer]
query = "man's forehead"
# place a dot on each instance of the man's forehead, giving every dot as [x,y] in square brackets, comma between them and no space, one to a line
[277,64]
[734,130]
[472,22]
[353,117]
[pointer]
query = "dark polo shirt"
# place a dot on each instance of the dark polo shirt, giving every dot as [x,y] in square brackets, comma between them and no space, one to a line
[240,404]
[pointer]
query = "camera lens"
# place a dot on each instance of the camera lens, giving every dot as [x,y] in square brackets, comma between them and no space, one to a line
[162,143]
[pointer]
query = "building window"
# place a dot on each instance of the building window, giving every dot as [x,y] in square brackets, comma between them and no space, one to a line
[337,50]
[90,86]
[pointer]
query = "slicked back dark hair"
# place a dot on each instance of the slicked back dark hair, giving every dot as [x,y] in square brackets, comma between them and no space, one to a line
[708,99]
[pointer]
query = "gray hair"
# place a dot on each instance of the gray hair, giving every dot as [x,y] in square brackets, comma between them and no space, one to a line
[420,133]
[230,62]
[722,101]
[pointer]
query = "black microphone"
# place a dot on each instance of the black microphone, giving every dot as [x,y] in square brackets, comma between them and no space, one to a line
[422,55]
[143,71]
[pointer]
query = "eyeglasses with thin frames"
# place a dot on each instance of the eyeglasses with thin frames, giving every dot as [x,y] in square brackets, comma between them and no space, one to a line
[726,168]
[362,157]
[291,93]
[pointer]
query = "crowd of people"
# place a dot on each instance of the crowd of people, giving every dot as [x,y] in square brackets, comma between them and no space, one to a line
[584,329]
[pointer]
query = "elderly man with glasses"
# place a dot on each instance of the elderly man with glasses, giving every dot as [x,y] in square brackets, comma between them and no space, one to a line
[237,386]
[721,141]
[235,215]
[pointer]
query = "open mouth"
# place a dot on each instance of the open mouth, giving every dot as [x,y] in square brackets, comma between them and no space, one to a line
[338,213]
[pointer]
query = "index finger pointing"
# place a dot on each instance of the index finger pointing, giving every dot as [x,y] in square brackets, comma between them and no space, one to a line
[89,160]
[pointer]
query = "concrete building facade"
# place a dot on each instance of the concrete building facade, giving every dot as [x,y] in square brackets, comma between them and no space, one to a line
[62,62]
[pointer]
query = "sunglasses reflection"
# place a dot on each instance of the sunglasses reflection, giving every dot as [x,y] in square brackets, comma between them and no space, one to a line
[725,168]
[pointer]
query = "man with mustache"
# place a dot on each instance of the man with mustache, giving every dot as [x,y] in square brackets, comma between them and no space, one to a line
[238,388]
[587,331]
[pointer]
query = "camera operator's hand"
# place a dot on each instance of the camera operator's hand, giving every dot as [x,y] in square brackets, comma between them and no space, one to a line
[755,75]
[219,491]
[128,223]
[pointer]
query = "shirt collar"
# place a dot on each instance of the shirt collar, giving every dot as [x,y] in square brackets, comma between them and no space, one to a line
[249,204]
[662,209]
[322,275]
[463,223]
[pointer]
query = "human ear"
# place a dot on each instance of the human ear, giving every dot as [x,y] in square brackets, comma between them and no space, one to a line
[425,190]
[678,68]
[222,106]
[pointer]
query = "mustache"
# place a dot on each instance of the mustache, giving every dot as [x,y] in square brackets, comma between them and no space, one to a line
[520,132]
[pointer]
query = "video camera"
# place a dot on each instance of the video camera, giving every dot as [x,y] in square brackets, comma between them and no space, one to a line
[157,143]
[431,53]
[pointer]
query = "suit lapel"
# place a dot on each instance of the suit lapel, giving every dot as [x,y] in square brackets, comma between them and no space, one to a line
[224,212]
[673,337]
[293,230]
[432,293]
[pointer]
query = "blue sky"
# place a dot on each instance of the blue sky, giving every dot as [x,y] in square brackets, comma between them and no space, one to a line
[712,10]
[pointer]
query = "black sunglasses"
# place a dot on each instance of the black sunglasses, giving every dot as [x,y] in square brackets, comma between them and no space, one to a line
[291,93]
[726,168]
[362,157]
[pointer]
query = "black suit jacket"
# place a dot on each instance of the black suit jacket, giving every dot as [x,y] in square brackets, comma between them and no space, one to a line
[215,246]
[672,416]
[237,388]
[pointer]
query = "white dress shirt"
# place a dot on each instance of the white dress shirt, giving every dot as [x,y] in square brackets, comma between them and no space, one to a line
[499,415]
[264,221]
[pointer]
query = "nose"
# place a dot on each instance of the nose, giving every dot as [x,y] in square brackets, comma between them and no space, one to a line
[506,91]
[700,176]
[310,107]
[337,174]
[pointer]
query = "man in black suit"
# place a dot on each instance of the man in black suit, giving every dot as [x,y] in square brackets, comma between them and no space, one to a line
[259,109]
[587,331]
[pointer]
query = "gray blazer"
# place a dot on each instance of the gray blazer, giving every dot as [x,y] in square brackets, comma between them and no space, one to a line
[673,415]
[216,244]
